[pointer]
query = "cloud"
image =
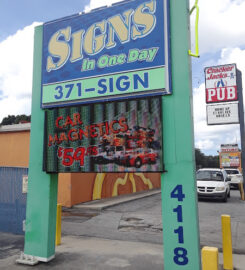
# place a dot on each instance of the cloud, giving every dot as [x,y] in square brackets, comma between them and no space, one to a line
[234,55]
[95,4]
[205,144]
[14,106]
[16,54]
[220,24]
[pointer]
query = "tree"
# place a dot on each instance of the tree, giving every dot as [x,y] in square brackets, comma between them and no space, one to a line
[203,161]
[12,119]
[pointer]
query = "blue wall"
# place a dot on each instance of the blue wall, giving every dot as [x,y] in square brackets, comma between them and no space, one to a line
[12,200]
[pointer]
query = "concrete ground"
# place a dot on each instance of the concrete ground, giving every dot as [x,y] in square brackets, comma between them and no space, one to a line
[116,234]
[102,254]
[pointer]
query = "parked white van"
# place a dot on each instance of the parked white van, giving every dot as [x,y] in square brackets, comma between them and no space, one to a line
[235,176]
[213,183]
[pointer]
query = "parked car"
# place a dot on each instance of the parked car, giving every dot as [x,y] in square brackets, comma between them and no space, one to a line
[213,183]
[235,176]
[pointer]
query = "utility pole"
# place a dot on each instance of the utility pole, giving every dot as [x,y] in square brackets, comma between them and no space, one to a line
[241,121]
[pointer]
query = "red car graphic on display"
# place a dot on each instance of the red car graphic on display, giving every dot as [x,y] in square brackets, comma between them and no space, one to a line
[135,148]
[137,158]
[141,157]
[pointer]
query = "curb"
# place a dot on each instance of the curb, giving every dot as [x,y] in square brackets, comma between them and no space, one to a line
[105,203]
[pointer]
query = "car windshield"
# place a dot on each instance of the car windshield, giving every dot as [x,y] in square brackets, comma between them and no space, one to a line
[209,176]
[232,171]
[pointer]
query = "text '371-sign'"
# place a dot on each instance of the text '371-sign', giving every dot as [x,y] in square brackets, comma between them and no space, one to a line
[110,53]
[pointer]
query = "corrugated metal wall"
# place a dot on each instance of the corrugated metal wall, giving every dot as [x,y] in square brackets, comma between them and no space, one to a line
[12,200]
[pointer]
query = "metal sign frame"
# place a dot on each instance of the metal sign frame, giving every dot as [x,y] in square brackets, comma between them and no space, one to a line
[179,198]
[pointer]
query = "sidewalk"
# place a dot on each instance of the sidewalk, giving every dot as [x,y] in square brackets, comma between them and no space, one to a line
[103,254]
[99,205]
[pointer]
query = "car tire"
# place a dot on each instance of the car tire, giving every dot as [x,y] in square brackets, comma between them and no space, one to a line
[229,194]
[225,197]
[137,162]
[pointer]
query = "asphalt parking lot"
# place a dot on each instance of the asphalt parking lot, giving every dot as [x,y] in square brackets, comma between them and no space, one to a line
[129,235]
[210,212]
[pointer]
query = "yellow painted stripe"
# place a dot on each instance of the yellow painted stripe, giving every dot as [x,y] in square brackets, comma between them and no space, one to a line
[119,181]
[145,180]
[98,183]
[132,180]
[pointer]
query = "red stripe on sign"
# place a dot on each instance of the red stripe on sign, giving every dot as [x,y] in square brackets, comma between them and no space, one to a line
[221,94]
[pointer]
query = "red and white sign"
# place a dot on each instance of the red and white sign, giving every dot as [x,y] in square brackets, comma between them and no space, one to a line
[229,147]
[221,84]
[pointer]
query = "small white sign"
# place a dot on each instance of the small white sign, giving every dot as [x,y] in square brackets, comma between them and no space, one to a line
[222,113]
[24,183]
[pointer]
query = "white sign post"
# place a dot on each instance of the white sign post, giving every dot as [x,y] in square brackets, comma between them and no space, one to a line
[224,84]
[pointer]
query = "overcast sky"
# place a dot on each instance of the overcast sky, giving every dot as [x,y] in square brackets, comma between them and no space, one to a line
[221,38]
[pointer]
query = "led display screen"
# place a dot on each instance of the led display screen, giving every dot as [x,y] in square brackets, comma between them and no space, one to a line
[118,136]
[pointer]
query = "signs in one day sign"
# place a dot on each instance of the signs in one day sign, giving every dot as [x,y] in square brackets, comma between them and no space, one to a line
[111,53]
